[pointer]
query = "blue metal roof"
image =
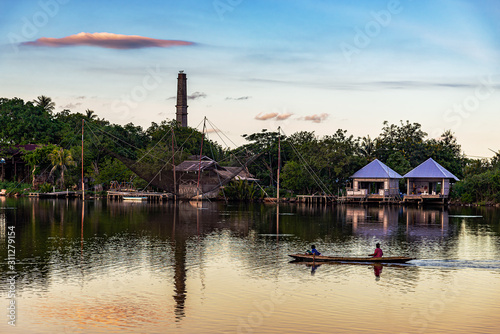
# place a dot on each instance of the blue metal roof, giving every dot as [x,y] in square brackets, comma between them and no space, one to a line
[376,170]
[430,169]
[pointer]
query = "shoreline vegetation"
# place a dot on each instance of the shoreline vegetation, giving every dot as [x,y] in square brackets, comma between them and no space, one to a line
[41,151]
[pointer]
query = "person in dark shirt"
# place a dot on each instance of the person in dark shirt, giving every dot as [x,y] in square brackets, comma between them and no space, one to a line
[378,252]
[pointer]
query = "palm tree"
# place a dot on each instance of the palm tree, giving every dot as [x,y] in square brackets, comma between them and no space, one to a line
[90,114]
[46,103]
[61,158]
[368,147]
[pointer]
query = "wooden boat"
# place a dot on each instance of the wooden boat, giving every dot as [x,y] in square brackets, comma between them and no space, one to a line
[321,258]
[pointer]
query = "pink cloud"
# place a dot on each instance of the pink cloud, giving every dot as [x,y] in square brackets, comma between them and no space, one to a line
[317,118]
[107,40]
[265,117]
[284,116]
[279,117]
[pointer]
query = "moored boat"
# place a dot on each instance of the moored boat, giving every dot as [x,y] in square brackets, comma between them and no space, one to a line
[321,258]
[134,198]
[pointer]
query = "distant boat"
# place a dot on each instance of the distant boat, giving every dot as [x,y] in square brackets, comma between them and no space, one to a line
[321,258]
[134,198]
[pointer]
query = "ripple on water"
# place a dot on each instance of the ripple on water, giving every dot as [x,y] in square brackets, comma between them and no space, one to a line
[457,264]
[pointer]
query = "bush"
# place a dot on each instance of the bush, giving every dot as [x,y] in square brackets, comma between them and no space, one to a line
[15,188]
[45,188]
[242,190]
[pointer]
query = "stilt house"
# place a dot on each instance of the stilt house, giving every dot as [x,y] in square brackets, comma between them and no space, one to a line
[375,181]
[429,180]
[212,176]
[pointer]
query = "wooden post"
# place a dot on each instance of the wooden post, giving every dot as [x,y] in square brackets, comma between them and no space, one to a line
[83,184]
[279,163]
[199,166]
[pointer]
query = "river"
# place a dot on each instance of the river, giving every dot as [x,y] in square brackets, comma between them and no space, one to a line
[119,267]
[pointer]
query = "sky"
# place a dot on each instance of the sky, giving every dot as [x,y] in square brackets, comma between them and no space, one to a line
[252,64]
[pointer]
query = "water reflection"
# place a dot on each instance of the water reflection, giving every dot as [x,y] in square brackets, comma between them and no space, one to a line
[314,266]
[377,270]
[154,266]
[180,267]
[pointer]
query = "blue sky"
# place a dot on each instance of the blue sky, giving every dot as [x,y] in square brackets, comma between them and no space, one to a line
[302,65]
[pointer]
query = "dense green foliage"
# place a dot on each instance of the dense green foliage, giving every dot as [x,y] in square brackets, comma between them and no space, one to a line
[308,163]
[57,161]
[323,165]
[481,183]
[242,190]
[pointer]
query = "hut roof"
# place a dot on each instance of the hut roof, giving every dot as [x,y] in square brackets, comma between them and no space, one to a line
[430,169]
[195,165]
[376,170]
[206,163]
[236,173]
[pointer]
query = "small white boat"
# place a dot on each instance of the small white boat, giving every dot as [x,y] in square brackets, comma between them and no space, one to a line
[134,198]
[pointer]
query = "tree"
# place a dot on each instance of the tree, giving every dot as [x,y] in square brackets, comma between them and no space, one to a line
[90,114]
[408,138]
[368,148]
[495,161]
[295,178]
[24,123]
[398,163]
[45,103]
[38,159]
[61,159]
[447,152]
[265,167]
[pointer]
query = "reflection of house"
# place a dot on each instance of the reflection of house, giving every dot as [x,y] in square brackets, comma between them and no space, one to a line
[374,221]
[375,181]
[428,181]
[425,222]
[212,176]
[13,167]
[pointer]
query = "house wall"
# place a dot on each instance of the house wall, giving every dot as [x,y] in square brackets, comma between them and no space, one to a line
[393,187]
[446,187]
[389,187]
[427,187]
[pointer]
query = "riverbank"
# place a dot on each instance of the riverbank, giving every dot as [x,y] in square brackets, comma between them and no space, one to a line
[163,197]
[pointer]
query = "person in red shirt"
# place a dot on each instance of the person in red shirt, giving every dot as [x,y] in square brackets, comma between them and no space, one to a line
[378,252]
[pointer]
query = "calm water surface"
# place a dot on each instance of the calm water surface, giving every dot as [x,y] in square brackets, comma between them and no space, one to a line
[117,267]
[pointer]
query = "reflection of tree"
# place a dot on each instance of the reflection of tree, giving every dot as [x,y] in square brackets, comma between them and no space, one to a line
[160,237]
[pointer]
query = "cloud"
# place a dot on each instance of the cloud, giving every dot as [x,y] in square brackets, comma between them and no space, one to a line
[197,95]
[279,117]
[317,118]
[283,116]
[194,96]
[238,98]
[265,117]
[107,40]
[71,105]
